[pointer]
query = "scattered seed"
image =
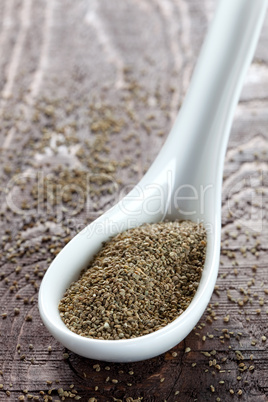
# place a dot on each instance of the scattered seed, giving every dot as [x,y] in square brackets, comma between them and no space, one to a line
[226,318]
[212,388]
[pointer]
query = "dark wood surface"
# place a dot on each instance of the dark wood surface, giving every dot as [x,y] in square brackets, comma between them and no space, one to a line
[89,91]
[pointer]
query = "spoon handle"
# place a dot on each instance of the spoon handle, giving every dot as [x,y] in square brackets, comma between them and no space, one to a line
[198,140]
[192,157]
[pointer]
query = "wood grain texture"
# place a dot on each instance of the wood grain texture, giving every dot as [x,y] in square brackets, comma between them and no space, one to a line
[88,92]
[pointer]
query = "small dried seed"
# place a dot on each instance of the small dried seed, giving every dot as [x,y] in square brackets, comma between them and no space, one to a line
[226,318]
[147,284]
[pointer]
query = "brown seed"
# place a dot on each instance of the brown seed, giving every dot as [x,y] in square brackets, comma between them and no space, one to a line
[139,282]
[212,388]
[226,318]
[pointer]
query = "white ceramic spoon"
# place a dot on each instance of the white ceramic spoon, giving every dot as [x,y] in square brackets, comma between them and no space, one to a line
[184,182]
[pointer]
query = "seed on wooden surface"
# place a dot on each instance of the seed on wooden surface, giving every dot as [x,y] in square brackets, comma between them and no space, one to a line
[207,354]
[97,367]
[263,338]
[226,318]
[239,392]
[187,350]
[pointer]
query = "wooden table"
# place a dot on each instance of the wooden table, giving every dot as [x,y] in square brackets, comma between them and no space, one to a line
[89,91]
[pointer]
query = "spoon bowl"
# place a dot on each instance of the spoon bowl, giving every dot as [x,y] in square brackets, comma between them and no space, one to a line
[184,182]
